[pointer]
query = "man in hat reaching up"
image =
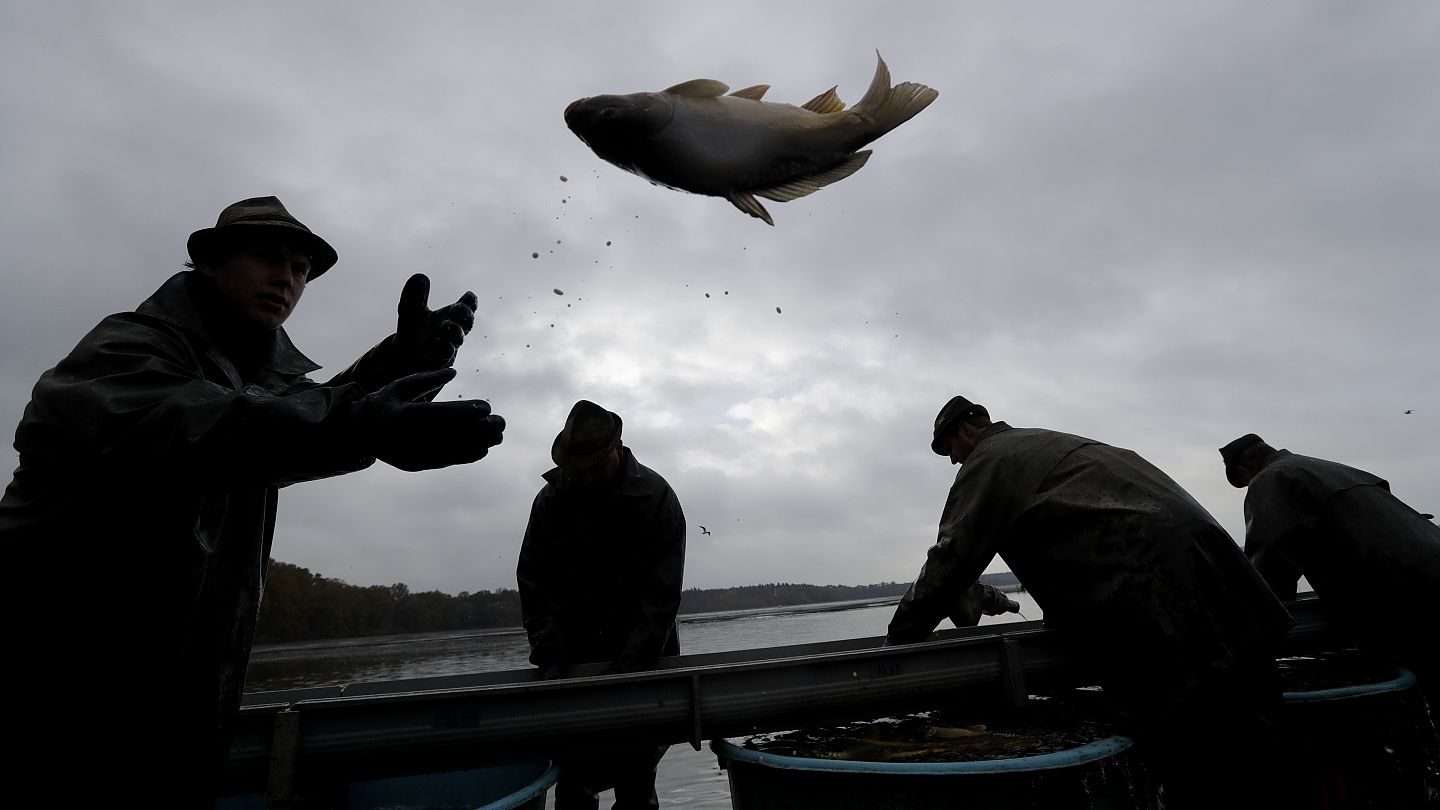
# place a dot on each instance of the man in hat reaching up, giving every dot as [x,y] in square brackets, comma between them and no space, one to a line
[1373,560]
[144,503]
[1143,581]
[600,575]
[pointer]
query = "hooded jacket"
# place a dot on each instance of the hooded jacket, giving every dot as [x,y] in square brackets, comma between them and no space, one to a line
[601,570]
[1369,556]
[1121,559]
[143,511]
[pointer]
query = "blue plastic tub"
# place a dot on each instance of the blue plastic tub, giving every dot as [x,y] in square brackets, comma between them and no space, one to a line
[1367,743]
[503,787]
[1103,774]
[514,786]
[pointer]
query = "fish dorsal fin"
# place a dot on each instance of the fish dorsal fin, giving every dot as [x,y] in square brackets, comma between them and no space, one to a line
[754,92]
[809,184]
[826,102]
[750,205]
[699,88]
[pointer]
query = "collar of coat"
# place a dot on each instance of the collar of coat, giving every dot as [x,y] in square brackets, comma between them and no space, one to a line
[1278,455]
[635,478]
[174,303]
[992,429]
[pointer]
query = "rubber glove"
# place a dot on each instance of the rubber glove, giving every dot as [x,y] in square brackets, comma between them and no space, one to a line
[429,339]
[398,426]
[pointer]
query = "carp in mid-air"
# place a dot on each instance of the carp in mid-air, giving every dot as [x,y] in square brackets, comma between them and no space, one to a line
[695,138]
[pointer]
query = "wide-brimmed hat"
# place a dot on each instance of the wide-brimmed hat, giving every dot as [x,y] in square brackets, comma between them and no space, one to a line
[590,433]
[956,409]
[251,216]
[1231,454]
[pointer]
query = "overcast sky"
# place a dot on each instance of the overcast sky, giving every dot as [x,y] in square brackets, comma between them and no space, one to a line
[1159,225]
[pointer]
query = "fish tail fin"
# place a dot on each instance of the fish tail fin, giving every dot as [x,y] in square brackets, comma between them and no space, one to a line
[890,106]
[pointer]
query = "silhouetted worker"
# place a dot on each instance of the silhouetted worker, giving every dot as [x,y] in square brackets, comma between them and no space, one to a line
[1141,579]
[143,507]
[1373,561]
[600,574]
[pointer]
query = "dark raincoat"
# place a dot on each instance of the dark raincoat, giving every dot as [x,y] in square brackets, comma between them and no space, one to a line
[1373,561]
[1121,559]
[141,518]
[600,573]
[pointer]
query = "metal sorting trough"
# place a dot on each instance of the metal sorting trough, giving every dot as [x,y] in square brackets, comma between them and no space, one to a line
[297,737]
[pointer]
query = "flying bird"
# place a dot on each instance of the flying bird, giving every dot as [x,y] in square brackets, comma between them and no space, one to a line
[1409,411]
[692,137]
[704,530]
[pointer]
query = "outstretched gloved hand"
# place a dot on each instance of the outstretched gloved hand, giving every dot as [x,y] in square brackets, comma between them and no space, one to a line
[398,426]
[429,338]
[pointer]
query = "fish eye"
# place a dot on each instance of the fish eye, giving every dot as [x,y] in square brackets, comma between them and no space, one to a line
[609,112]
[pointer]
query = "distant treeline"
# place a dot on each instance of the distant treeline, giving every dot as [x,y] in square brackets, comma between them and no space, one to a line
[304,606]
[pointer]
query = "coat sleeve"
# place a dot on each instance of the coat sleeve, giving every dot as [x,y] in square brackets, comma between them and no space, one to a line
[654,620]
[967,542]
[1275,523]
[135,392]
[540,595]
[977,600]
[379,367]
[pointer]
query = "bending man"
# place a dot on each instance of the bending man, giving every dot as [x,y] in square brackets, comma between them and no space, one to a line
[1143,581]
[1358,545]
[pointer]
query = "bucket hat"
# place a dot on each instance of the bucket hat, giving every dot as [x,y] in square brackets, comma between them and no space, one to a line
[1231,454]
[250,216]
[956,409]
[590,433]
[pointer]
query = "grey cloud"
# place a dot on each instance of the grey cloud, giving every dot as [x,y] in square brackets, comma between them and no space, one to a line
[1158,226]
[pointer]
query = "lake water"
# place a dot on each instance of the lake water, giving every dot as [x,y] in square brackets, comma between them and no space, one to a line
[686,777]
